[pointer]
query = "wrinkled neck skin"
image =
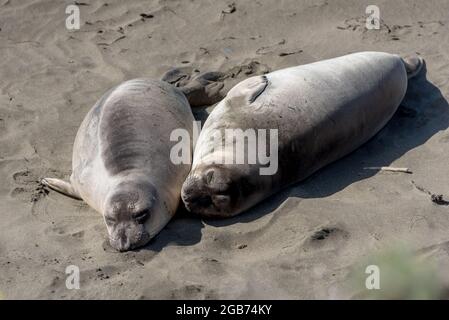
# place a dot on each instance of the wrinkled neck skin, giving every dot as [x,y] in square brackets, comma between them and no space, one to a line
[150,191]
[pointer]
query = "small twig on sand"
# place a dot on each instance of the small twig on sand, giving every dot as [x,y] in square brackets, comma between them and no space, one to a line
[392,169]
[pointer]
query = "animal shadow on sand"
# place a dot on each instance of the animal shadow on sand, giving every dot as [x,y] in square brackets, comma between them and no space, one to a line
[422,113]
[183,230]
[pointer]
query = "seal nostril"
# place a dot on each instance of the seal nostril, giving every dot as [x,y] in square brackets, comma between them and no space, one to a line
[209,176]
[204,201]
[120,244]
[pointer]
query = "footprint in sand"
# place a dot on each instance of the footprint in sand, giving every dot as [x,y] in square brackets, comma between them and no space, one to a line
[251,67]
[30,189]
[329,237]
[189,291]
[393,32]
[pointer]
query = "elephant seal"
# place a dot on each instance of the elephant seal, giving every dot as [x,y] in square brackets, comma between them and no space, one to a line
[321,112]
[121,156]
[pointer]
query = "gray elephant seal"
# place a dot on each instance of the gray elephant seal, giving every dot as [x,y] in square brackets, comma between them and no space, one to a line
[121,156]
[322,111]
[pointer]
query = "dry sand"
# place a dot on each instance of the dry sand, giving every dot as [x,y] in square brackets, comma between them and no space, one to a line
[50,77]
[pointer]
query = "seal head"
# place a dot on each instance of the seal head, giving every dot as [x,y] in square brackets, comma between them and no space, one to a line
[128,214]
[217,191]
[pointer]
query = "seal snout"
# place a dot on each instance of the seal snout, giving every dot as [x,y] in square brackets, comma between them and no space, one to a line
[198,204]
[127,237]
[206,197]
[122,244]
[191,191]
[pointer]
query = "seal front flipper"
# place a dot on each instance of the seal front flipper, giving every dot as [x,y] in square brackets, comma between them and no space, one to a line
[250,88]
[61,186]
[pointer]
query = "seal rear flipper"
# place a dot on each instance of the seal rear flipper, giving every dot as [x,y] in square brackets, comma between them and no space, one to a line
[200,89]
[61,186]
[205,89]
[413,65]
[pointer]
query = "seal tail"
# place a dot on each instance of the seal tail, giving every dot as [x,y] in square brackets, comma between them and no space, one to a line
[413,65]
[62,187]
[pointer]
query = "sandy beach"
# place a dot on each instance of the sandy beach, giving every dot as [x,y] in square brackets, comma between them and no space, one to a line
[304,242]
